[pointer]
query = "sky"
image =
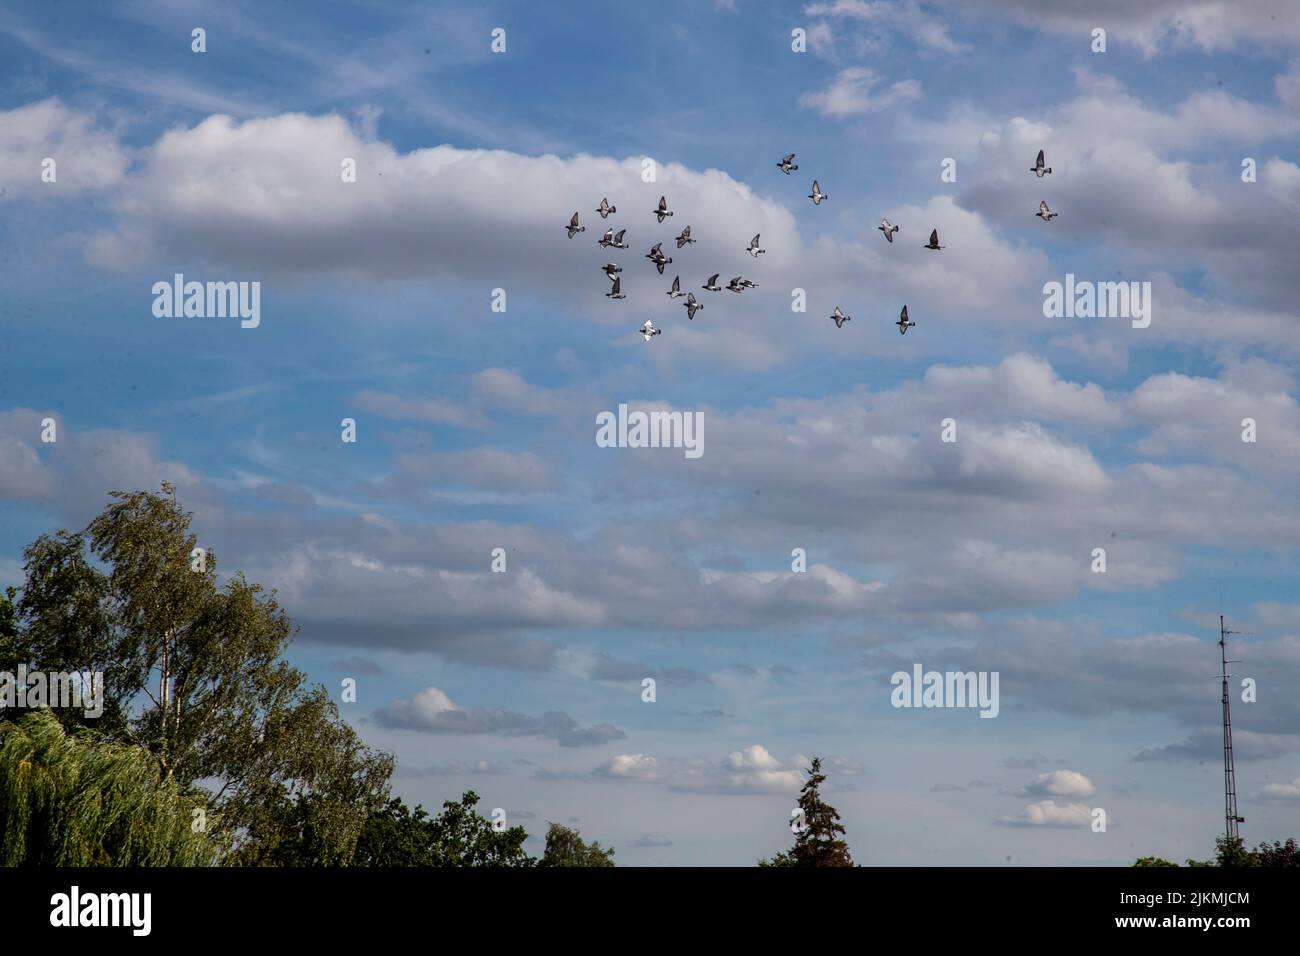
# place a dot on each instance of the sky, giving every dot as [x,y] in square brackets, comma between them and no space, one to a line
[437,302]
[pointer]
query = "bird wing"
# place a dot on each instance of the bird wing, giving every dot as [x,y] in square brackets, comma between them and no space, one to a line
[934,237]
[1041,159]
[714,278]
[902,316]
[574,220]
[663,202]
[1042,206]
[787,159]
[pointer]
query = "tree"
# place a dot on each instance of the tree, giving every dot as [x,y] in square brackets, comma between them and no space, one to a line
[195,675]
[1278,854]
[79,801]
[817,841]
[1153,861]
[395,835]
[565,847]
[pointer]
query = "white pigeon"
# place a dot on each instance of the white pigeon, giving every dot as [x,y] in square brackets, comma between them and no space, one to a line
[1044,213]
[839,318]
[649,329]
[887,229]
[817,195]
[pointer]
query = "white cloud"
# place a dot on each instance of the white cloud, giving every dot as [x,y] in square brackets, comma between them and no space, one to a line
[1051,815]
[853,93]
[1061,783]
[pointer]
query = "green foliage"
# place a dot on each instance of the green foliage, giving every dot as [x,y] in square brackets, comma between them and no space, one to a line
[818,843]
[395,835]
[565,847]
[1234,854]
[79,801]
[195,675]
[1278,854]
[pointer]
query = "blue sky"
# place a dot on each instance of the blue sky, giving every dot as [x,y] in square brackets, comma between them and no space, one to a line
[476,428]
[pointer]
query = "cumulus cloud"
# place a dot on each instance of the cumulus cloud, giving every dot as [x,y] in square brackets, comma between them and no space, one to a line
[432,711]
[86,156]
[1061,783]
[1049,814]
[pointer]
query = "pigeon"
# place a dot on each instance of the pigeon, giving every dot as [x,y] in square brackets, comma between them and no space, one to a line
[617,291]
[1038,169]
[787,165]
[656,255]
[610,268]
[605,209]
[817,195]
[691,305]
[685,237]
[676,291]
[618,242]
[1044,213]
[574,228]
[904,323]
[737,284]
[606,240]
[748,285]
[649,329]
[712,284]
[887,229]
[934,240]
[662,212]
[839,318]
[753,249]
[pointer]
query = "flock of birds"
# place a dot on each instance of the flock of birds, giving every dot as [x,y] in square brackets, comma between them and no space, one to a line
[739,284]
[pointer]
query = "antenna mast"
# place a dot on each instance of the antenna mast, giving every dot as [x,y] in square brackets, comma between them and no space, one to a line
[1230,817]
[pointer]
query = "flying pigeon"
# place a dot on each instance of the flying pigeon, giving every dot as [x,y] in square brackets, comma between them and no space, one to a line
[618,242]
[712,284]
[748,285]
[656,255]
[753,249]
[1038,169]
[610,268]
[840,318]
[605,209]
[691,305]
[934,240]
[649,329]
[1044,213]
[787,165]
[737,284]
[662,212]
[617,291]
[904,323]
[676,291]
[606,240]
[817,195]
[685,237]
[887,229]
[574,228]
